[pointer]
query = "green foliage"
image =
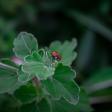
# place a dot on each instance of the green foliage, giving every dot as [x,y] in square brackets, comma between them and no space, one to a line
[10,6]
[8,81]
[101,76]
[29,108]
[99,86]
[24,45]
[26,94]
[89,21]
[66,50]
[8,103]
[23,77]
[62,85]
[84,103]
[34,64]
[40,78]
[100,80]
[48,105]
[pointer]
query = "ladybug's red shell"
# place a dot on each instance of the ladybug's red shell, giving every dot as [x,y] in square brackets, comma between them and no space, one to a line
[56,55]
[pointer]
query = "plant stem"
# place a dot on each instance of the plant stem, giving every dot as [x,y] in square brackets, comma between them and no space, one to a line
[8,67]
[36,81]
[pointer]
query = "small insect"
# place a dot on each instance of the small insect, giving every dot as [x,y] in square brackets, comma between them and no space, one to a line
[56,55]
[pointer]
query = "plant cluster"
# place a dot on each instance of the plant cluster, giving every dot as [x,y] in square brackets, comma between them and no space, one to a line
[44,82]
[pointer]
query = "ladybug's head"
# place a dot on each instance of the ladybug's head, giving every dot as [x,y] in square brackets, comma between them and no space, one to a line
[56,55]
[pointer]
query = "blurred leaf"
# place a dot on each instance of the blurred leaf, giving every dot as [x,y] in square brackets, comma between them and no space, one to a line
[103,92]
[23,77]
[101,96]
[92,24]
[8,62]
[26,94]
[25,44]
[8,103]
[66,50]
[63,106]
[3,46]
[62,85]
[50,5]
[100,80]
[29,108]
[84,104]
[44,106]
[8,81]
[10,6]
[86,48]
[105,6]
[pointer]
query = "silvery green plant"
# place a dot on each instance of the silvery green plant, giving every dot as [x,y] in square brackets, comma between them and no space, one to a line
[41,81]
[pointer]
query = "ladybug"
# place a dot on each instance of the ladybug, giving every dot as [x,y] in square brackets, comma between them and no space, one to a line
[56,55]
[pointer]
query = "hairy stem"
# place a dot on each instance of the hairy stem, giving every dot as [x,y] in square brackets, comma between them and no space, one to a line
[36,82]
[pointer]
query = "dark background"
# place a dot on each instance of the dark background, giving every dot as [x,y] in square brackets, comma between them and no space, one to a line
[90,21]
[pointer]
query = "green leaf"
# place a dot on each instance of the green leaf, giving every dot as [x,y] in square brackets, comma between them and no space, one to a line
[63,106]
[39,69]
[52,87]
[35,56]
[62,85]
[24,45]
[24,77]
[100,80]
[49,105]
[103,92]
[8,81]
[8,102]
[44,106]
[34,64]
[86,49]
[101,96]
[84,104]
[26,94]
[66,50]
[8,62]
[29,108]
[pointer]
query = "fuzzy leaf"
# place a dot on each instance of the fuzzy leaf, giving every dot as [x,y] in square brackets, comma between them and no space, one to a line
[63,106]
[39,69]
[26,94]
[62,85]
[66,50]
[35,56]
[35,65]
[8,81]
[24,44]
[23,77]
